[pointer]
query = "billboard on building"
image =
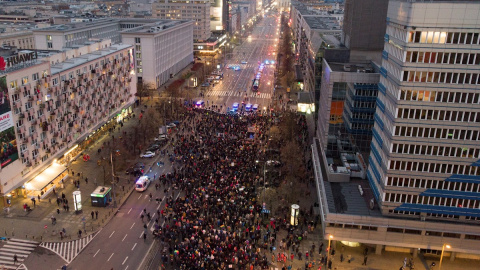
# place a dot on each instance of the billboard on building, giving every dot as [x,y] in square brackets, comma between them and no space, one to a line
[8,150]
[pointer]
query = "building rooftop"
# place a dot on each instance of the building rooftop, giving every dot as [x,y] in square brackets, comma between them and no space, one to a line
[155,27]
[322,22]
[345,197]
[352,67]
[73,62]
[94,22]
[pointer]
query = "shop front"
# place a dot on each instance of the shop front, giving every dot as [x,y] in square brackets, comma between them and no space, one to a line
[43,184]
[106,127]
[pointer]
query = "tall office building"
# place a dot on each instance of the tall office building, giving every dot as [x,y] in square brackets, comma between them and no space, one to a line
[423,169]
[364,24]
[425,153]
[194,10]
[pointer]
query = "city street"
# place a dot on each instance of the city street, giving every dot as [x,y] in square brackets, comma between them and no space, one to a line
[237,84]
[120,244]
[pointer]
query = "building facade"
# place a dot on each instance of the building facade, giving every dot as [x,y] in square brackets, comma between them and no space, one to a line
[196,10]
[21,40]
[423,181]
[51,102]
[58,37]
[424,160]
[160,46]
[161,49]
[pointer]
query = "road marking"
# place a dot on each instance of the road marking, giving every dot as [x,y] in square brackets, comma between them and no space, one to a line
[126,267]
[132,225]
[96,253]
[124,237]
[134,246]
[110,257]
[125,260]
[139,197]
[111,234]
[141,234]
[129,211]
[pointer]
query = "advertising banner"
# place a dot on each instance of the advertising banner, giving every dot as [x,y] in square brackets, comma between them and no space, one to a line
[8,150]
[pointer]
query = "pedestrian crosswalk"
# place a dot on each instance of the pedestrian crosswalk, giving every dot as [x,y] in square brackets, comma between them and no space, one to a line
[68,250]
[19,247]
[222,93]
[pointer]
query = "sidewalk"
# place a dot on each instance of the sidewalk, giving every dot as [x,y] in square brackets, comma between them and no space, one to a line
[385,261]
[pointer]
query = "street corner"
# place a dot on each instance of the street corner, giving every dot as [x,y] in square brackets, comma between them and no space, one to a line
[68,250]
[43,259]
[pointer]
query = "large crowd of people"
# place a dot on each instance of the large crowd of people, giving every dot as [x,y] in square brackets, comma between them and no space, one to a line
[216,221]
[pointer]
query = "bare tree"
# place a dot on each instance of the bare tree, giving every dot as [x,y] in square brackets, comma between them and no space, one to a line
[144,90]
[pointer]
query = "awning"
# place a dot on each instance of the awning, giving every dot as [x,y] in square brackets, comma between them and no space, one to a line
[44,178]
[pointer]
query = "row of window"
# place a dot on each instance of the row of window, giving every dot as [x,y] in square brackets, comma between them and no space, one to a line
[429,184]
[365,93]
[428,200]
[403,230]
[440,77]
[438,133]
[444,168]
[442,37]
[440,96]
[55,81]
[446,151]
[438,115]
[443,58]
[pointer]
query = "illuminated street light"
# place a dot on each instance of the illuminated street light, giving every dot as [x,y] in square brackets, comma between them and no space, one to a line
[330,237]
[441,256]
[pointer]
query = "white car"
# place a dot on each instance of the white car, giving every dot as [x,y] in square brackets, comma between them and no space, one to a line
[161,137]
[147,154]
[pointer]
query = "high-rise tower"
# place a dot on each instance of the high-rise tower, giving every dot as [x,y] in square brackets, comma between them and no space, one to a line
[425,153]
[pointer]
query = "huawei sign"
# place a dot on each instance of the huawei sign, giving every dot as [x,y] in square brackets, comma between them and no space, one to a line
[2,63]
[17,59]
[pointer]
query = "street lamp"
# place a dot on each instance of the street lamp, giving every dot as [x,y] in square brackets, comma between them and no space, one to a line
[441,256]
[330,237]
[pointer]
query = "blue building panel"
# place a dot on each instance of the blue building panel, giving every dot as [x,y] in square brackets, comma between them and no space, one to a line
[380,105]
[372,181]
[382,89]
[375,153]
[377,137]
[383,72]
[437,209]
[461,178]
[385,55]
[378,121]
[454,194]
[476,163]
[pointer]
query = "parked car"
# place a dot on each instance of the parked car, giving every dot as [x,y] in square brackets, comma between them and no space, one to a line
[148,154]
[153,147]
[161,137]
[235,106]
[205,84]
[274,163]
[248,107]
[171,125]
[136,169]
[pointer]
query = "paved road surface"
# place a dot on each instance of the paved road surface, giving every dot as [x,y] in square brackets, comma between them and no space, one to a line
[120,244]
[236,84]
